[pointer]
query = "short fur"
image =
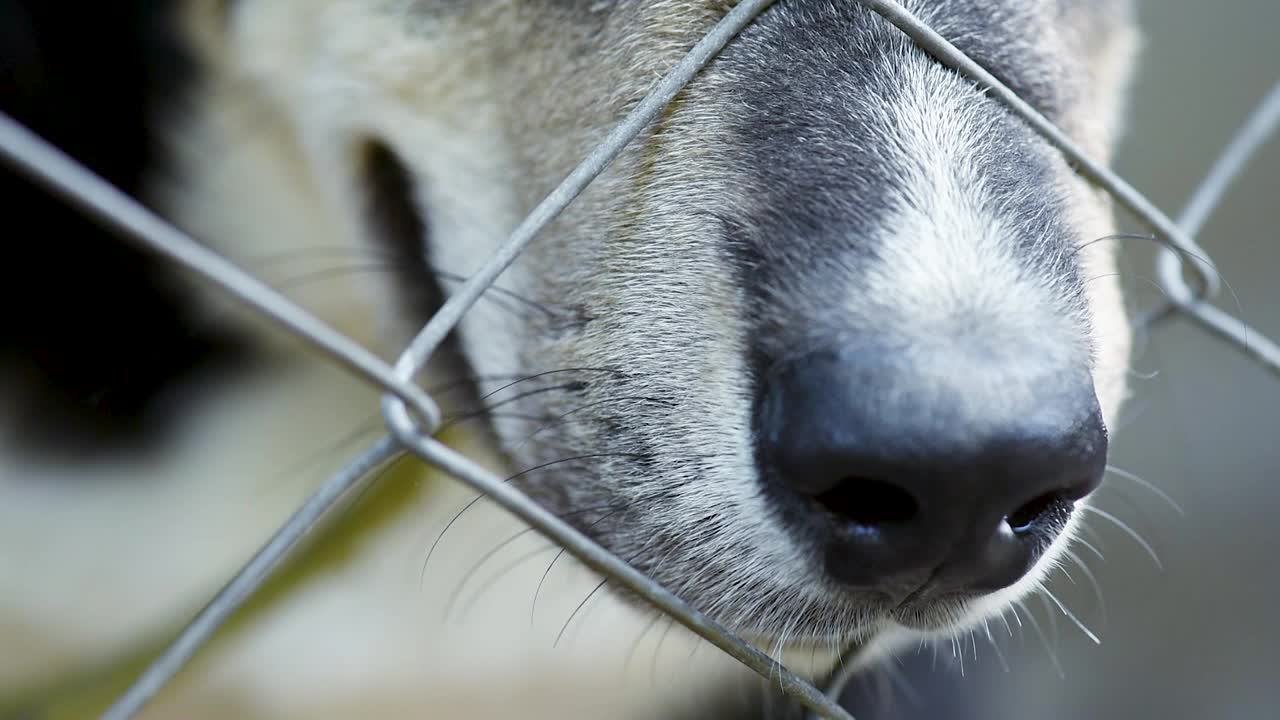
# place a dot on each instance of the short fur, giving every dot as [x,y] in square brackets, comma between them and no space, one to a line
[822,180]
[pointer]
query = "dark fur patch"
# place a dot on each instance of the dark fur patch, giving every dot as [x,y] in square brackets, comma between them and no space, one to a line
[399,228]
[95,333]
[809,154]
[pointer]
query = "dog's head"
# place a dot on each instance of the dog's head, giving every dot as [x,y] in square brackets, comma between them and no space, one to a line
[833,345]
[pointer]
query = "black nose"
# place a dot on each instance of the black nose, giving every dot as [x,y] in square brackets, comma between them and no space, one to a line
[950,479]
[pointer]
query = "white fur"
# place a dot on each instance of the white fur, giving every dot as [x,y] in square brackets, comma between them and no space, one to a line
[271,155]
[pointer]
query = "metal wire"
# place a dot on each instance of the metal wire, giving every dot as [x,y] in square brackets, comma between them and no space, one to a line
[430,337]
[1169,232]
[608,564]
[1249,139]
[1257,129]
[1181,252]
[245,582]
[411,414]
[54,169]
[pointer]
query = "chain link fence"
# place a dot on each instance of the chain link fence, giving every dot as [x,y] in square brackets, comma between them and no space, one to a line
[1185,273]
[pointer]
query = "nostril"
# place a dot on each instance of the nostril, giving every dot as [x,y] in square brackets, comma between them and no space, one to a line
[899,470]
[1038,510]
[869,502]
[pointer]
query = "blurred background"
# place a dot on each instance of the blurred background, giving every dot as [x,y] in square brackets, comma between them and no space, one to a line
[1200,639]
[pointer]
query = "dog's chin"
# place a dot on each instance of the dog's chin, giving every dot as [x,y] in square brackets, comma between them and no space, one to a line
[926,615]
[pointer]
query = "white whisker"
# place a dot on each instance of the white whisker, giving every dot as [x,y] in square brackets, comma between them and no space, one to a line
[1008,628]
[1072,617]
[1016,616]
[1054,632]
[1053,656]
[1128,531]
[995,646]
[1093,581]
[1092,548]
[1150,486]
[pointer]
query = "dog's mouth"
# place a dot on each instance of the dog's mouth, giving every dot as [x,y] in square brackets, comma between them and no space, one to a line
[867,481]
[929,611]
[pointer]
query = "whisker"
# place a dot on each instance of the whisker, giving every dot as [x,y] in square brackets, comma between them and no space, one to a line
[1053,655]
[1016,617]
[263,261]
[500,298]
[505,543]
[488,409]
[1136,276]
[577,610]
[657,653]
[522,473]
[368,425]
[783,638]
[484,587]
[1008,628]
[1055,633]
[1092,548]
[509,380]
[899,677]
[635,646]
[1071,616]
[388,469]
[1128,531]
[1093,581]
[533,607]
[1119,472]
[999,655]
[532,304]
[1119,236]
[697,643]
[513,414]
[388,260]
[1066,573]
[545,373]
[293,282]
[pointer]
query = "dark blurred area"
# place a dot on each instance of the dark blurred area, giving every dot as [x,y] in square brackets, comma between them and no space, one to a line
[91,330]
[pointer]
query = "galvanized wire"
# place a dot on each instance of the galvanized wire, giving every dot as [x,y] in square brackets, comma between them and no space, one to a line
[616,570]
[49,166]
[411,414]
[430,337]
[251,577]
[1257,129]
[1181,253]
[1168,231]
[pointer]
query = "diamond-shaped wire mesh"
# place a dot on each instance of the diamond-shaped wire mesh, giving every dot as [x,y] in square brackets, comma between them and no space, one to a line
[1186,275]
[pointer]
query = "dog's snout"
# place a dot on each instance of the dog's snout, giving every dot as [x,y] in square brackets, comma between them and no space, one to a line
[952,479]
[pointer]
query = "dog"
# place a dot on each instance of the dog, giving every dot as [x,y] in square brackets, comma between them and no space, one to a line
[831,351]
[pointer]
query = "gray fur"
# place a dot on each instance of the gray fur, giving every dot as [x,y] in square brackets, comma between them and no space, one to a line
[759,217]
[822,180]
